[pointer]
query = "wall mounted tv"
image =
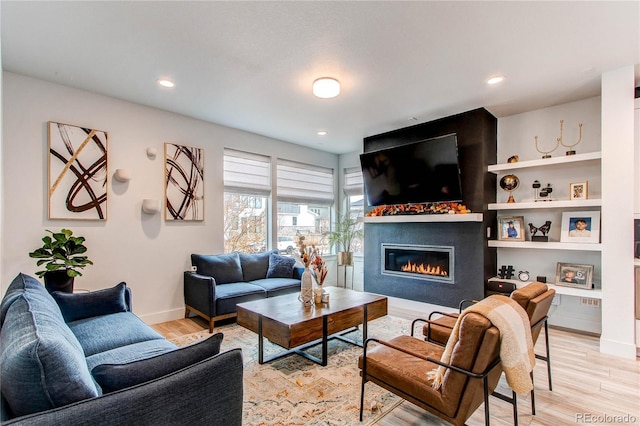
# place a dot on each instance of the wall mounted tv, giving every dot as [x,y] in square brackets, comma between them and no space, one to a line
[418,172]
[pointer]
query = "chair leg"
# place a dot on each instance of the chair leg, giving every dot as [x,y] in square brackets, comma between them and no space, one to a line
[485,384]
[533,397]
[515,409]
[362,396]
[546,339]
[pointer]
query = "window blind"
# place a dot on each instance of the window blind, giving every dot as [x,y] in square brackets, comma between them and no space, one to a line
[353,182]
[247,173]
[300,183]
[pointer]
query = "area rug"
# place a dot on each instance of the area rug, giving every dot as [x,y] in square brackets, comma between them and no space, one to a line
[295,391]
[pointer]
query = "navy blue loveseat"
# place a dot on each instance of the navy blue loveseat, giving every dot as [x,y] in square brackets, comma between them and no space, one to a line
[224,280]
[86,359]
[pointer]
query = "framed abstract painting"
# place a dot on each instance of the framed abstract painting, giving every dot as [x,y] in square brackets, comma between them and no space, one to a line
[184,182]
[77,172]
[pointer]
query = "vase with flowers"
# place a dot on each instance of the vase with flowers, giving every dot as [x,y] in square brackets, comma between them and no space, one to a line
[319,268]
[306,283]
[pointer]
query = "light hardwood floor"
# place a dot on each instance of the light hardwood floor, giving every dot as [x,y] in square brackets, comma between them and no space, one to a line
[588,387]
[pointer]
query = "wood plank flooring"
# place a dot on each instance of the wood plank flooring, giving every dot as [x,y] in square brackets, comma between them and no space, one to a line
[587,386]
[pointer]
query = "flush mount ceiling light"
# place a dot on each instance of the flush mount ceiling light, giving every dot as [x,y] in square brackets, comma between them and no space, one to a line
[495,79]
[326,87]
[322,133]
[165,82]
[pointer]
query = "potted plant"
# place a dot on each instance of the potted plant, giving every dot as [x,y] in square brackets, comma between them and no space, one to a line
[63,257]
[346,230]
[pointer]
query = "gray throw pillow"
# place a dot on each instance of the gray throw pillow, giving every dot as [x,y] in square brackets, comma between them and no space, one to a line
[280,266]
[113,377]
[76,306]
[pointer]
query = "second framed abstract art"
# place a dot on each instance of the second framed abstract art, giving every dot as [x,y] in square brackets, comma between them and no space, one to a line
[183,182]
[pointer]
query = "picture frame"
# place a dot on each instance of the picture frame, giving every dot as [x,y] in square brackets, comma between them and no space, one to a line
[574,275]
[183,182]
[580,227]
[579,190]
[511,228]
[77,176]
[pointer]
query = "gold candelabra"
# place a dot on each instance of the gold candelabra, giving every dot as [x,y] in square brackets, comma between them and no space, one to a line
[571,150]
[547,154]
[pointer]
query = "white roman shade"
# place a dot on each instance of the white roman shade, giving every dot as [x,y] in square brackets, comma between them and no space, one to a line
[246,173]
[303,183]
[353,183]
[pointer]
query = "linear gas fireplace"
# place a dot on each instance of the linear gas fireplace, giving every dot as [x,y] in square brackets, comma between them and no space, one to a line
[433,263]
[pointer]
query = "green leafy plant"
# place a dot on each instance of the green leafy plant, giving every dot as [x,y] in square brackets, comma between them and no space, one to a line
[345,231]
[61,251]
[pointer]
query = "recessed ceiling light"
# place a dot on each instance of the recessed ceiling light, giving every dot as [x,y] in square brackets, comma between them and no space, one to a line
[322,133]
[496,79]
[326,87]
[165,82]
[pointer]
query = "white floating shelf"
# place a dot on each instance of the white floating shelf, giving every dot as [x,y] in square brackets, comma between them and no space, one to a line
[470,217]
[596,202]
[545,245]
[560,289]
[505,167]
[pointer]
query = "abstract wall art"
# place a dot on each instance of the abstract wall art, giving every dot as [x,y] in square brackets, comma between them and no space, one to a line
[77,172]
[184,182]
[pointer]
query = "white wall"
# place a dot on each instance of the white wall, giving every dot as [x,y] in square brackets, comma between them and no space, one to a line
[145,251]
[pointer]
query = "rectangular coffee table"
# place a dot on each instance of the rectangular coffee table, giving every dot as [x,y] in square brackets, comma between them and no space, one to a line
[284,321]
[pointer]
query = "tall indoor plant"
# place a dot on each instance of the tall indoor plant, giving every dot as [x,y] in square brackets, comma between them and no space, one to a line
[63,257]
[346,230]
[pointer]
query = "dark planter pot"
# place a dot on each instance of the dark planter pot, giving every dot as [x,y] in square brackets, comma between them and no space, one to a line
[58,281]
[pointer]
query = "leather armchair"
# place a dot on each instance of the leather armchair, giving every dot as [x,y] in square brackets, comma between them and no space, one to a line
[400,365]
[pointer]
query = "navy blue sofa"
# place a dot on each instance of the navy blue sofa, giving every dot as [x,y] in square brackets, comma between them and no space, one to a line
[222,281]
[86,359]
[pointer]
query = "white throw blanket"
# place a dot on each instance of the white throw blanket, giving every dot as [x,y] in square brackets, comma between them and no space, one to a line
[516,345]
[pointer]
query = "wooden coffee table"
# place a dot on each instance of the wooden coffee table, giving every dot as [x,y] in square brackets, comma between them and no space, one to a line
[284,321]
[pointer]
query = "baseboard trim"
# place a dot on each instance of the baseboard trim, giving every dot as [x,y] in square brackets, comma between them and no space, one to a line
[621,349]
[164,316]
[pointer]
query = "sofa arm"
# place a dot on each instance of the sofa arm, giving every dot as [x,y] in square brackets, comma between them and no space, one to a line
[297,272]
[200,292]
[207,393]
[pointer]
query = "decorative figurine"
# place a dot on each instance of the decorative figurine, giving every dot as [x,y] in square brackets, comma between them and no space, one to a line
[542,194]
[513,159]
[506,272]
[571,151]
[544,229]
[510,183]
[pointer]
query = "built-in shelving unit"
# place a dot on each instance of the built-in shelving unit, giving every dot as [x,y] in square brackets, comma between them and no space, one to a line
[547,162]
[559,204]
[470,217]
[545,245]
[567,291]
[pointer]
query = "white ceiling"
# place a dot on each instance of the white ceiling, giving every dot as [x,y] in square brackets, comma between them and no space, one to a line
[250,65]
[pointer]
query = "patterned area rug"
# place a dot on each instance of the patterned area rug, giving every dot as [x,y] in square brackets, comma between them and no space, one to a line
[295,391]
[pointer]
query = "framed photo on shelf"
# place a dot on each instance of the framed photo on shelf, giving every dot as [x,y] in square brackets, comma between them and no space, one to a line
[511,228]
[574,275]
[580,227]
[579,190]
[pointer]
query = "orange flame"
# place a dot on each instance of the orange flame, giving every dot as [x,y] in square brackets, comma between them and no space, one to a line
[424,269]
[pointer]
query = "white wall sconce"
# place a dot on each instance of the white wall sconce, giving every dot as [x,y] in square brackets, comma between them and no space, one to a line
[152,152]
[150,206]
[122,175]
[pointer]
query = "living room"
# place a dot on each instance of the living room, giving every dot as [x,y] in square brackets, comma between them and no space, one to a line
[151,254]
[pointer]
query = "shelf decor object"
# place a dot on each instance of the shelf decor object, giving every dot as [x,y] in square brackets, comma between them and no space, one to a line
[150,206]
[542,193]
[546,154]
[580,227]
[579,190]
[122,175]
[510,183]
[511,228]
[574,275]
[544,229]
[571,150]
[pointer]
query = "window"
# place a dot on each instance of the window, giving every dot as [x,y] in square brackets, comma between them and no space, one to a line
[305,196]
[354,192]
[247,186]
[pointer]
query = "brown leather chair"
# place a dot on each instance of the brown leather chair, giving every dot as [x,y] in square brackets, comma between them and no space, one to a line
[400,365]
[535,298]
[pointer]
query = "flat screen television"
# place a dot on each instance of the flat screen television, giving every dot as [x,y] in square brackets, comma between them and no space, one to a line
[419,172]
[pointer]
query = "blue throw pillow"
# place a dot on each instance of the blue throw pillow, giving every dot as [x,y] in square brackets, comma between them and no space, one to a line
[255,265]
[280,266]
[113,377]
[76,306]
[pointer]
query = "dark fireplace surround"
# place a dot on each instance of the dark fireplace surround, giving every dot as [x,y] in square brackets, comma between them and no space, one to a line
[472,262]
